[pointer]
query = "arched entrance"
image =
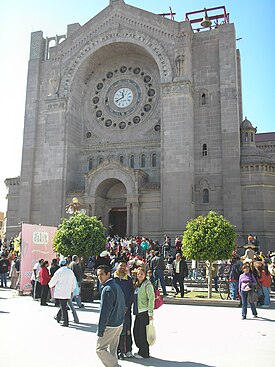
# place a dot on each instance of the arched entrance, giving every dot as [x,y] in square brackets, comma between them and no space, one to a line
[111,191]
[111,206]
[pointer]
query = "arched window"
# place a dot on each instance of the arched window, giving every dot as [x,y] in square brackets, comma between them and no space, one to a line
[204,150]
[251,137]
[203,99]
[142,161]
[246,137]
[100,160]
[154,160]
[205,196]
[90,164]
[132,161]
[121,159]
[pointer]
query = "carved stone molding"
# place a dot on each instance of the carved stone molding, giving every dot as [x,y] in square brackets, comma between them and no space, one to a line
[205,184]
[178,87]
[153,46]
[54,104]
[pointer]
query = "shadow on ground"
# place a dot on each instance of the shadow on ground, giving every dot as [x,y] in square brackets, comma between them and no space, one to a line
[156,362]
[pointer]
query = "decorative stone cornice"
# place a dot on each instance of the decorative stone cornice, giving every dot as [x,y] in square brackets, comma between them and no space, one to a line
[14,181]
[178,87]
[258,168]
[55,103]
[151,186]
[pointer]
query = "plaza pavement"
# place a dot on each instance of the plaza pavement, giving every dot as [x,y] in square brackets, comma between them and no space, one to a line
[187,336]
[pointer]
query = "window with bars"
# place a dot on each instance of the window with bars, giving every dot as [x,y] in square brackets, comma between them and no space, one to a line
[204,150]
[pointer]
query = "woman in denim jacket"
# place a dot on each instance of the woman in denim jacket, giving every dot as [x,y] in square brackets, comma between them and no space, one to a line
[246,282]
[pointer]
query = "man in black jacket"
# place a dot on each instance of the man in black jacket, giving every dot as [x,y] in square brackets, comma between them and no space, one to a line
[75,267]
[180,271]
[126,284]
[111,318]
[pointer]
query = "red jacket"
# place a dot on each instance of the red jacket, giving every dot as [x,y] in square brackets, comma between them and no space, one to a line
[265,280]
[44,276]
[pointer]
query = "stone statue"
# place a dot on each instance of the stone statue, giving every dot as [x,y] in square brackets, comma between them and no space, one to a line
[53,84]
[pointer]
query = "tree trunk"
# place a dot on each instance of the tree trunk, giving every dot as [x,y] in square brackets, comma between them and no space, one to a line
[210,279]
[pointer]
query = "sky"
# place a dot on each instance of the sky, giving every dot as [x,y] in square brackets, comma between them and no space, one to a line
[254,23]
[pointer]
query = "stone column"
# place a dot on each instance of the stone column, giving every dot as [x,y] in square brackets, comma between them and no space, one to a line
[90,200]
[133,217]
[135,225]
[177,176]
[128,230]
[230,126]
[53,175]
[25,200]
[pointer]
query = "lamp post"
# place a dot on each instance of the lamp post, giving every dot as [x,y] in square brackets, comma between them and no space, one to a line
[75,206]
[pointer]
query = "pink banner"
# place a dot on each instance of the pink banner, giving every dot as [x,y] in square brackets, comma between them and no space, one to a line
[36,244]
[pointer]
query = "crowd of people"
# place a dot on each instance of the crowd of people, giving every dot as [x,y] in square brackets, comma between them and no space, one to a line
[129,272]
[10,263]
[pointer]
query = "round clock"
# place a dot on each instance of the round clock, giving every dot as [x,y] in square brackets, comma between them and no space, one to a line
[123,97]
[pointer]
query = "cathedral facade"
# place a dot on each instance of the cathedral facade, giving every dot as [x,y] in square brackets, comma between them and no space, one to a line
[140,117]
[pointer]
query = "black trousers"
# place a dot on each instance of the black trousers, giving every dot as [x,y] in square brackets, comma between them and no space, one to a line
[36,289]
[63,312]
[141,320]
[125,339]
[44,294]
[177,278]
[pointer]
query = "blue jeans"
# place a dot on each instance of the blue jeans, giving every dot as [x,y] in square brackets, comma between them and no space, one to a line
[158,275]
[3,279]
[233,290]
[244,296]
[77,300]
[266,291]
[70,304]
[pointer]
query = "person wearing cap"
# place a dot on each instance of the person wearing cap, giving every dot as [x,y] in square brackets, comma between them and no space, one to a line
[102,259]
[126,284]
[64,283]
[111,319]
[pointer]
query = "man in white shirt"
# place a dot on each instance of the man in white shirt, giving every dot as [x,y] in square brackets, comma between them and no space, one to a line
[64,283]
[35,279]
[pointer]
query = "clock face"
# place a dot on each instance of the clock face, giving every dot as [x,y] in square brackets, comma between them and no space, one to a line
[123,97]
